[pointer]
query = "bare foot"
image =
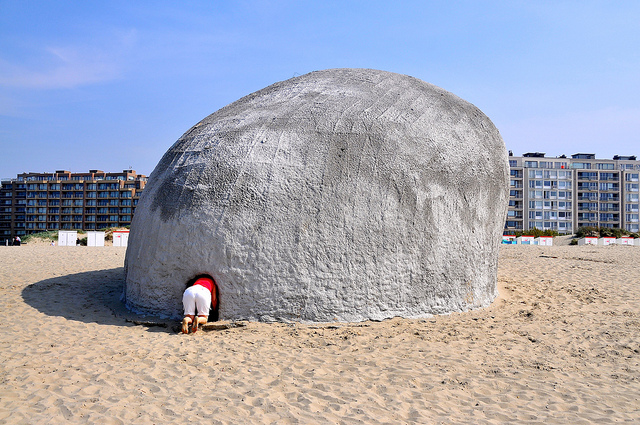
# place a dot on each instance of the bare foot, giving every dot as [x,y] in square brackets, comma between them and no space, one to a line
[199,320]
[185,325]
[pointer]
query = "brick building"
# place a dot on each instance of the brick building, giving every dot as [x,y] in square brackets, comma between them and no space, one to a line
[38,202]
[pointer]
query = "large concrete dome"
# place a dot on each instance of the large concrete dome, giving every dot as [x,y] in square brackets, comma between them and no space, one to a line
[345,194]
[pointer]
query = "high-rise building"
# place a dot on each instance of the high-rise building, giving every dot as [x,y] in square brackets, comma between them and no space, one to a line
[563,194]
[38,202]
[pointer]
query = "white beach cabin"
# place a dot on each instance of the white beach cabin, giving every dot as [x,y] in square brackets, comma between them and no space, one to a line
[588,240]
[625,240]
[67,237]
[526,240]
[95,238]
[509,239]
[120,237]
[606,241]
[544,241]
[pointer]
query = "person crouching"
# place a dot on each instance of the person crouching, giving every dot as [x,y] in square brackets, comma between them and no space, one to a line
[198,297]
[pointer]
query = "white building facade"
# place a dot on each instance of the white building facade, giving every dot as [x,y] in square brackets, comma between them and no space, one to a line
[563,194]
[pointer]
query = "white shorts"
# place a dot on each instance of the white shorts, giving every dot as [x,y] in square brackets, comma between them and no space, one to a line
[196,297]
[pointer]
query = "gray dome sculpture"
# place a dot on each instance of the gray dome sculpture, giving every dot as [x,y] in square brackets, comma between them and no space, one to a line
[344,194]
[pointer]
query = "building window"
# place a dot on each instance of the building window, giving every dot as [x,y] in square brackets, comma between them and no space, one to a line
[605,217]
[605,166]
[535,194]
[581,165]
[609,176]
[535,215]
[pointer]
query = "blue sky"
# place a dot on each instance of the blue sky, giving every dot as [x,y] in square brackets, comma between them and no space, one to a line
[112,85]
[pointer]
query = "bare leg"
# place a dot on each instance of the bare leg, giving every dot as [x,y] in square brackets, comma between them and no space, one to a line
[185,324]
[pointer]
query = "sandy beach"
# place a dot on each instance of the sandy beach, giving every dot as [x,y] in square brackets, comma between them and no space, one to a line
[560,345]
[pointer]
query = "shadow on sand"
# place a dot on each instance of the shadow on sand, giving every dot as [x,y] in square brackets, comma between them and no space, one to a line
[90,297]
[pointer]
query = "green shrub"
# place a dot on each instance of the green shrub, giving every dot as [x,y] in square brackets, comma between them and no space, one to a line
[535,232]
[48,236]
[601,232]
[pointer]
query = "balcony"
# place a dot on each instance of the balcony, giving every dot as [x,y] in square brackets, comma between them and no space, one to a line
[590,219]
[513,225]
[587,177]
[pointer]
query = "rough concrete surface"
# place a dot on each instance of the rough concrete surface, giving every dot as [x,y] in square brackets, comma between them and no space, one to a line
[344,194]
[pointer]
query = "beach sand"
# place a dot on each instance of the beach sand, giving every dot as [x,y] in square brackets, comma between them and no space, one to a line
[560,345]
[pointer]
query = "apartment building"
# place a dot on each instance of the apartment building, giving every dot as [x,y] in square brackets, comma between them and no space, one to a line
[563,194]
[38,202]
